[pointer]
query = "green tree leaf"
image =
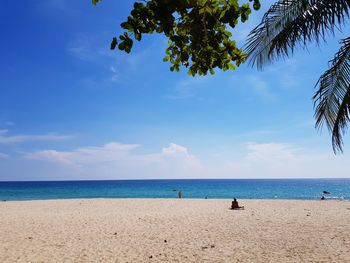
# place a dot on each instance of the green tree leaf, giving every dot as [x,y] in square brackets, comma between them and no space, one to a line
[114,43]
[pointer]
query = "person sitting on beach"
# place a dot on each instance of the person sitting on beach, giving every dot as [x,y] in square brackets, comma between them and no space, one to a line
[235,205]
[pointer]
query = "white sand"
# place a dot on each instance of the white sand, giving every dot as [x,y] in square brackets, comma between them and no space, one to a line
[173,230]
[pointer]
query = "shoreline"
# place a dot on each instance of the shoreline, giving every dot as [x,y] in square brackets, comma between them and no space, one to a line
[174,230]
[172,198]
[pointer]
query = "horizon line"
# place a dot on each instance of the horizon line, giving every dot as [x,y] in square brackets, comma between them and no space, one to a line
[174,179]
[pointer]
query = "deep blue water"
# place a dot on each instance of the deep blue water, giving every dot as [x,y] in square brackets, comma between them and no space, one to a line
[221,188]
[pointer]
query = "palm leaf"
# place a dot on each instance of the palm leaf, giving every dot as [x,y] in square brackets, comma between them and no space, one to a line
[291,22]
[332,99]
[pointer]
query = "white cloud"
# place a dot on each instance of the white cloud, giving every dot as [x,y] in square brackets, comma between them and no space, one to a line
[286,73]
[3,156]
[185,88]
[95,49]
[276,160]
[259,86]
[60,6]
[174,149]
[115,75]
[115,160]
[8,139]
[92,48]
[86,155]
[306,123]
[89,48]
[126,161]
[9,123]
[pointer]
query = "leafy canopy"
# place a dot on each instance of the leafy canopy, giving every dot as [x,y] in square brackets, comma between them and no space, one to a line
[198,31]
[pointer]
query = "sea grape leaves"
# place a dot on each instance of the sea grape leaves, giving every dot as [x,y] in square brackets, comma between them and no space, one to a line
[197,30]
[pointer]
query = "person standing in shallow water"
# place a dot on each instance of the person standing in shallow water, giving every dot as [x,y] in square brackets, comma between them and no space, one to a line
[180,194]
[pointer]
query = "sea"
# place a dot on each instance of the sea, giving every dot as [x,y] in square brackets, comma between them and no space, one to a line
[299,189]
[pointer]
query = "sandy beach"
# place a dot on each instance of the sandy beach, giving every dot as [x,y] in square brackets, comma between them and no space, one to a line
[173,230]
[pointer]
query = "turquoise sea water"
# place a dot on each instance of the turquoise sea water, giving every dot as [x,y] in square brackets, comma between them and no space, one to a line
[307,189]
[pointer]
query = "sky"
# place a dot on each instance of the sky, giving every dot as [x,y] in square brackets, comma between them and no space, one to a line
[71,109]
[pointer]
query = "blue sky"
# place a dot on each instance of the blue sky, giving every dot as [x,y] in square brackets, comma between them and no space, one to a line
[72,109]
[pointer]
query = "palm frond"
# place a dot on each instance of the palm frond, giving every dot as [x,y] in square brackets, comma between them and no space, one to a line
[291,22]
[332,99]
